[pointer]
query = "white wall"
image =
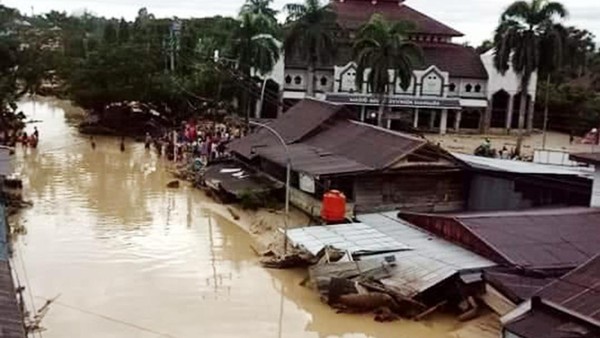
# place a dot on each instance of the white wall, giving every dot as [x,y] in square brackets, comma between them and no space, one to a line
[596,189]
[510,81]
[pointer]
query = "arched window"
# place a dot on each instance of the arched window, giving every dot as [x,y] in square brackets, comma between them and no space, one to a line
[323,81]
[297,80]
[288,79]
[478,88]
[452,87]
[468,88]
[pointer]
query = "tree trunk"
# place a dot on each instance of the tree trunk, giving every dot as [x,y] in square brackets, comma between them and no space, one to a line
[310,81]
[381,110]
[522,111]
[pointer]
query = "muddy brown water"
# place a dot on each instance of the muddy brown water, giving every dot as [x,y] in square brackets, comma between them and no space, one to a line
[128,257]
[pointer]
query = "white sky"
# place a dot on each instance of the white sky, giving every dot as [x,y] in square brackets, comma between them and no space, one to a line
[475,18]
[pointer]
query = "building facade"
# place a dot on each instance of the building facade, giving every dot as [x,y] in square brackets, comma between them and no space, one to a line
[453,88]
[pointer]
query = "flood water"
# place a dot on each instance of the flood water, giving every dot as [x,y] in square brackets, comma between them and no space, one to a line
[127,257]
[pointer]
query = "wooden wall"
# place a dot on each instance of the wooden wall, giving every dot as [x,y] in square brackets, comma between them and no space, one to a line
[412,191]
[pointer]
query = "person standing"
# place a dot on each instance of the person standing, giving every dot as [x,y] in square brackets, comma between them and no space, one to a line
[122,143]
[36,133]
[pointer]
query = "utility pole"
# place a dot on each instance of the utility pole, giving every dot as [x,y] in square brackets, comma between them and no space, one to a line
[174,33]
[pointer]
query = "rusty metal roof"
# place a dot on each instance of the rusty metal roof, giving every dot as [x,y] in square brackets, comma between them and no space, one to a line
[591,158]
[354,13]
[11,324]
[578,291]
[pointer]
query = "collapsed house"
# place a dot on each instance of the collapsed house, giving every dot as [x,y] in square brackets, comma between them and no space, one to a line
[388,255]
[376,168]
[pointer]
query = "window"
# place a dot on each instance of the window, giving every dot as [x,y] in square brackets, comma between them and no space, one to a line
[297,80]
[468,88]
[478,88]
[288,79]
[323,81]
[452,87]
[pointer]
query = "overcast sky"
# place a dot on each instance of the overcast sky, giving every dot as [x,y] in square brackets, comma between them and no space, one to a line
[475,18]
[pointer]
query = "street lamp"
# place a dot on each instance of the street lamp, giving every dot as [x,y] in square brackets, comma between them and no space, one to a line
[288,170]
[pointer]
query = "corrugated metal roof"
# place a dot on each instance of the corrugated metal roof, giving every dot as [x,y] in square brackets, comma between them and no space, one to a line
[540,323]
[353,237]
[296,123]
[313,160]
[516,286]
[578,291]
[521,167]
[430,261]
[556,238]
[11,324]
[592,158]
[424,262]
[321,145]
[369,145]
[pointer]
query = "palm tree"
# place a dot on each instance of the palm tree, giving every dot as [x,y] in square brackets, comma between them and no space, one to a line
[382,47]
[309,34]
[260,7]
[526,30]
[255,48]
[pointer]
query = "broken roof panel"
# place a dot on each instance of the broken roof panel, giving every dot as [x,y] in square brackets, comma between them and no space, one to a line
[422,262]
[516,286]
[591,158]
[578,291]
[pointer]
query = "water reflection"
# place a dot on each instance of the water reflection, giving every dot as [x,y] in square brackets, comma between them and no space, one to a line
[131,258]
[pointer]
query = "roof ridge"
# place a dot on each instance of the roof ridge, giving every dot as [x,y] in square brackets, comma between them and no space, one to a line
[389,131]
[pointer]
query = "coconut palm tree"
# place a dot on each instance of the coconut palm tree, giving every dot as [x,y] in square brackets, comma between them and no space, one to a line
[261,7]
[255,48]
[309,35]
[382,47]
[522,38]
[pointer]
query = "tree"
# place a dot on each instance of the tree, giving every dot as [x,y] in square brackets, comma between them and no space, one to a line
[485,46]
[382,47]
[528,37]
[309,34]
[254,48]
[259,7]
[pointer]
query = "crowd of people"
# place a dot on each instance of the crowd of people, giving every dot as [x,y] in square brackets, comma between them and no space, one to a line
[12,138]
[203,140]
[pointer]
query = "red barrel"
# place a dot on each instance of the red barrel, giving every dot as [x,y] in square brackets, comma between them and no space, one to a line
[334,206]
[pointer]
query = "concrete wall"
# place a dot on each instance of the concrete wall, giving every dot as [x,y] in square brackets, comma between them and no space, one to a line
[311,205]
[510,81]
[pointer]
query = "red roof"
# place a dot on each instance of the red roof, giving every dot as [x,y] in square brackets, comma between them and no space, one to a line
[354,13]
[458,60]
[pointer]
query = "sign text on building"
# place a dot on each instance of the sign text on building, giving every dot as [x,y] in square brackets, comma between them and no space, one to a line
[395,101]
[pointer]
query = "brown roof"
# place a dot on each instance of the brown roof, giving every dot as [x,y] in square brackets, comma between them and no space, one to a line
[532,239]
[458,60]
[517,287]
[578,291]
[354,13]
[295,124]
[11,322]
[591,158]
[323,145]
[545,323]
